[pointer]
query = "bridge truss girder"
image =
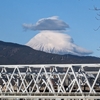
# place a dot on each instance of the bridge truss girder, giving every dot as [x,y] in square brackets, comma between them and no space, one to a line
[60,78]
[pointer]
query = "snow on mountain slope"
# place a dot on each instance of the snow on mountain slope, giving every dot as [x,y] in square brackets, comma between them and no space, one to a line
[56,42]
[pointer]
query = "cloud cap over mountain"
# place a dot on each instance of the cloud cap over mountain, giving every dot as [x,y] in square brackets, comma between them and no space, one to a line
[50,23]
[52,37]
[56,42]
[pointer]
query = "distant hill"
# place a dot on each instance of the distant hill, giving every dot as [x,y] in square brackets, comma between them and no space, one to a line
[12,53]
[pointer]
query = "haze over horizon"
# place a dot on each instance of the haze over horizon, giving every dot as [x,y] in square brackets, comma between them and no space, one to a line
[77,20]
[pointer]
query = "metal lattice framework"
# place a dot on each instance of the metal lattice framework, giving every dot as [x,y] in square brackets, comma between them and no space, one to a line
[52,78]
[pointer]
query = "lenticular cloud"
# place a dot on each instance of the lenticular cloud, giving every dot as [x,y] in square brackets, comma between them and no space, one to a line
[56,42]
[51,38]
[50,23]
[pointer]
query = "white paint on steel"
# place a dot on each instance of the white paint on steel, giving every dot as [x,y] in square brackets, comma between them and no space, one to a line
[50,78]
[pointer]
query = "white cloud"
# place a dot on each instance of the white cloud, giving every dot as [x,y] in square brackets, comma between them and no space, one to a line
[52,39]
[50,23]
[56,42]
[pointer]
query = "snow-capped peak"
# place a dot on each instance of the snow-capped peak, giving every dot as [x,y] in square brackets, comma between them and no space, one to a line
[56,42]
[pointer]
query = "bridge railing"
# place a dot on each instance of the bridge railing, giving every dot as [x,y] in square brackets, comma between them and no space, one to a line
[50,94]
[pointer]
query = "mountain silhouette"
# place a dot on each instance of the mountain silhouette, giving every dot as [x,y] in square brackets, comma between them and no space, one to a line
[13,53]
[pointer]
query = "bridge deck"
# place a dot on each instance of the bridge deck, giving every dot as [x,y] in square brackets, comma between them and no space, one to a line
[65,96]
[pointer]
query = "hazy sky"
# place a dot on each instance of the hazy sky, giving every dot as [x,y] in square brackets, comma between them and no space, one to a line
[76,13]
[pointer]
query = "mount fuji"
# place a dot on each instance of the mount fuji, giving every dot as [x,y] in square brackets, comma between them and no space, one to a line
[56,42]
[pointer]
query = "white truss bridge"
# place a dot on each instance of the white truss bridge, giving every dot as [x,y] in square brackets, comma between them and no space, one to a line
[50,82]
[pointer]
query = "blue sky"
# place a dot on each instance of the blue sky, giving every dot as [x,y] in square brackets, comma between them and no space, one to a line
[76,13]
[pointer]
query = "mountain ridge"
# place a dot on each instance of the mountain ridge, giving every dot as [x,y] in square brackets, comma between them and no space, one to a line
[13,53]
